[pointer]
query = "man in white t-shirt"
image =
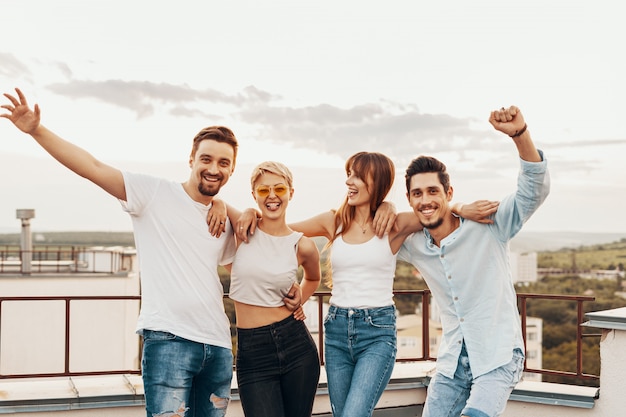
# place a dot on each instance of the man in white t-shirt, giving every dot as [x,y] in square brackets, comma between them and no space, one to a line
[187,359]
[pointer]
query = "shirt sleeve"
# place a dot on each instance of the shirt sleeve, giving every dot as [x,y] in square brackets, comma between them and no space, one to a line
[230,247]
[533,186]
[404,254]
[140,190]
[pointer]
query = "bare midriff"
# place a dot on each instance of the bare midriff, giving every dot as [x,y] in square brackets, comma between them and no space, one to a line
[250,317]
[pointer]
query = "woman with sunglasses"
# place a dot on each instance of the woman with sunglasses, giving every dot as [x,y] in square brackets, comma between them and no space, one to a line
[360,327]
[277,362]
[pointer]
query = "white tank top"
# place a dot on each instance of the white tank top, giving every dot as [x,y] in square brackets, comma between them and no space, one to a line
[264,269]
[362,273]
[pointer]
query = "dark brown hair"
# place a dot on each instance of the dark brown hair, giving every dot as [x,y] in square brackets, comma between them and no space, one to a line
[218,134]
[423,164]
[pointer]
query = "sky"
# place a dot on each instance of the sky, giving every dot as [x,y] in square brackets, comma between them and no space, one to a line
[309,83]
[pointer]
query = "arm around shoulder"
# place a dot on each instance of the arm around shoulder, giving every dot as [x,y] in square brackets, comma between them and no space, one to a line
[321,225]
[406,223]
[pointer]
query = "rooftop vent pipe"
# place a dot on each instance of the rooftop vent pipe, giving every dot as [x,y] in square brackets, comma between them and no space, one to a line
[26,241]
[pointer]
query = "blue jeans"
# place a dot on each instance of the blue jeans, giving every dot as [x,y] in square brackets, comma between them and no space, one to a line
[278,369]
[360,354]
[483,396]
[185,378]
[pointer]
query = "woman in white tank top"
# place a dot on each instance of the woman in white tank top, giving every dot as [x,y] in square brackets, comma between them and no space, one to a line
[277,362]
[360,327]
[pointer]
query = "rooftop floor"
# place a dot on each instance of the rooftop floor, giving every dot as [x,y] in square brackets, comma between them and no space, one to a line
[94,396]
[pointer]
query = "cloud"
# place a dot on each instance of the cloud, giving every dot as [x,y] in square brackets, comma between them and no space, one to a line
[64,69]
[585,143]
[182,111]
[142,97]
[399,130]
[393,128]
[12,67]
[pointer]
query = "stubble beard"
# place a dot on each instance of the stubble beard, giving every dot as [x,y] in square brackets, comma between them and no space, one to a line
[429,225]
[432,225]
[209,192]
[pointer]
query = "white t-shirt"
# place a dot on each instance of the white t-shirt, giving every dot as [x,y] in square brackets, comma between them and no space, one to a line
[178,259]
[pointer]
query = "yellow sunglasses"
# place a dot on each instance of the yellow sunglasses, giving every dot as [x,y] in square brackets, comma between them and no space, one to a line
[265,190]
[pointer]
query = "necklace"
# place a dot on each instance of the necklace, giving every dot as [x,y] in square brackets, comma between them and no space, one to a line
[363,226]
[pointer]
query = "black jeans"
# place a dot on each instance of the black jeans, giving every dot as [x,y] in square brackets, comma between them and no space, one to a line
[278,370]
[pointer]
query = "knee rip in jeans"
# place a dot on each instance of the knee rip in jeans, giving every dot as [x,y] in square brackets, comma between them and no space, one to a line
[178,413]
[219,402]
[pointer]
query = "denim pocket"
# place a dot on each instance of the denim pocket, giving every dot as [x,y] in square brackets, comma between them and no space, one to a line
[157,335]
[516,366]
[253,340]
[386,321]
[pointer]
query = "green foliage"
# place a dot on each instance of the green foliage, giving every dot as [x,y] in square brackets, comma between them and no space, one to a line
[560,322]
[585,258]
[563,358]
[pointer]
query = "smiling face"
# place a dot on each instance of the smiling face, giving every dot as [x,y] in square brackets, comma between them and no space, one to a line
[211,167]
[428,199]
[272,194]
[358,190]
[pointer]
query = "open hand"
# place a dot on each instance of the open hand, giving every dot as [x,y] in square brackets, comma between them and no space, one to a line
[20,114]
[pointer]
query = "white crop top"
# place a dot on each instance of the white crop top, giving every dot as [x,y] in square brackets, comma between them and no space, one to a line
[264,269]
[362,273]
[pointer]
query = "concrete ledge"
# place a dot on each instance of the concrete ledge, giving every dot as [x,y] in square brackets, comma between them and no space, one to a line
[63,394]
[555,394]
[124,393]
[614,319]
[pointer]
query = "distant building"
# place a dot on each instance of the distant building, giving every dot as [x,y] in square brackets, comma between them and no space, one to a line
[534,342]
[523,266]
[603,274]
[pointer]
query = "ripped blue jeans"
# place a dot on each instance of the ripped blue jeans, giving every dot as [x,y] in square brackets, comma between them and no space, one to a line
[184,378]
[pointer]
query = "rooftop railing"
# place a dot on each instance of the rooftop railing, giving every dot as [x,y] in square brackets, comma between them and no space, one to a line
[320,296]
[62,259]
[580,335]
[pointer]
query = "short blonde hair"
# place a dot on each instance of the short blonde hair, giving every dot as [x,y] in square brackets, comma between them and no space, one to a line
[271,167]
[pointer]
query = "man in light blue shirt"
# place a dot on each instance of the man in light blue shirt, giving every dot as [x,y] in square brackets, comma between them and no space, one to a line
[466,266]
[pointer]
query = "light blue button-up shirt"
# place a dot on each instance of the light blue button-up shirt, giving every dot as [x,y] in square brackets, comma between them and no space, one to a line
[469,276]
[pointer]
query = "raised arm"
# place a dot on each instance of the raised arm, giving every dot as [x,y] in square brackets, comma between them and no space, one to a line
[511,122]
[73,157]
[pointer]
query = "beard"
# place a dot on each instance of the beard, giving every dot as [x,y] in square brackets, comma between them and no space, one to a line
[432,225]
[208,191]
